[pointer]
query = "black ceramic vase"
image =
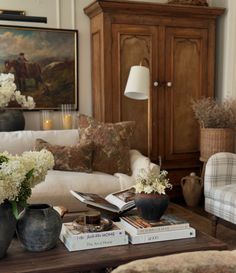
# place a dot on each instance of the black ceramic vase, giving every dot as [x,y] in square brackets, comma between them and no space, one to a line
[151,206]
[7,227]
[39,227]
[11,120]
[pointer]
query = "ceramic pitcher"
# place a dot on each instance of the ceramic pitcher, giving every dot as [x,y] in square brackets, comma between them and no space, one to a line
[192,189]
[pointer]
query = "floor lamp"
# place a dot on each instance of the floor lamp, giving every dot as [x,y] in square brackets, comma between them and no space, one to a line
[138,84]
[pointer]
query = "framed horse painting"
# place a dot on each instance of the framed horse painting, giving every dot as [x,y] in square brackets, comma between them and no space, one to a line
[44,62]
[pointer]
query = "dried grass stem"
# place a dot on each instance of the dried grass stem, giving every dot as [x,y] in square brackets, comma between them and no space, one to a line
[211,114]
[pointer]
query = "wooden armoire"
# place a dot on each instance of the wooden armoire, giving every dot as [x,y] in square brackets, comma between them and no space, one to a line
[177,43]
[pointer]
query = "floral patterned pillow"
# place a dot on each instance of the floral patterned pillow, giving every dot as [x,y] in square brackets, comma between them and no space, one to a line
[76,158]
[112,143]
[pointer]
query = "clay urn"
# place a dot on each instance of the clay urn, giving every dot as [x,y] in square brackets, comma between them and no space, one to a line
[192,186]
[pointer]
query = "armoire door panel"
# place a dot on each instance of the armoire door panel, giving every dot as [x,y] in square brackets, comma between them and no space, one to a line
[96,74]
[186,71]
[131,45]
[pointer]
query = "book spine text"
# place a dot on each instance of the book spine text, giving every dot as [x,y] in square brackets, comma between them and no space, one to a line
[148,230]
[162,236]
[92,235]
[73,245]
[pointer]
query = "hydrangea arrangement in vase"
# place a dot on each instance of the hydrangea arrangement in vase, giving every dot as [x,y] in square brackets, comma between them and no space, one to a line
[18,174]
[9,93]
[151,199]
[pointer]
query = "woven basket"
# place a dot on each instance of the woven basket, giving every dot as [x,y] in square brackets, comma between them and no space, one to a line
[214,140]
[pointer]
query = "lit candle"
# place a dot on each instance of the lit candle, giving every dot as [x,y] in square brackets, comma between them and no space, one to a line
[47,124]
[67,121]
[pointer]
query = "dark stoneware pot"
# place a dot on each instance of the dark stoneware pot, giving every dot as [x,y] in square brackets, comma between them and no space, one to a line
[11,120]
[7,227]
[39,227]
[151,206]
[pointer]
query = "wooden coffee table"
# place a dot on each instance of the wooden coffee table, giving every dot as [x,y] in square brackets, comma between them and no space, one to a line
[60,260]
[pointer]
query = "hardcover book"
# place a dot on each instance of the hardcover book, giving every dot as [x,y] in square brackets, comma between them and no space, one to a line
[76,240]
[159,236]
[115,202]
[138,225]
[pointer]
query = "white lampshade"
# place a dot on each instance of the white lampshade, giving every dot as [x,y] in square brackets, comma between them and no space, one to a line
[138,83]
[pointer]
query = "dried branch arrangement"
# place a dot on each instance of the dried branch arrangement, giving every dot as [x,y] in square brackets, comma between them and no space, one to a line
[211,114]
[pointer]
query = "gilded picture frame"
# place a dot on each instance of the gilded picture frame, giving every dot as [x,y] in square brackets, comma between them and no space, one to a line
[44,62]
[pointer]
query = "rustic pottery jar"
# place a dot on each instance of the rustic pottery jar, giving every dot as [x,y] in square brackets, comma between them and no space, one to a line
[7,227]
[39,227]
[151,206]
[192,189]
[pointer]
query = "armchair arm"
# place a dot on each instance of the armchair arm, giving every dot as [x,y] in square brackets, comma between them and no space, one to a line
[220,170]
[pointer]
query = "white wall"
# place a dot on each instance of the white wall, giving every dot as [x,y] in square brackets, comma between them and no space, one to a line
[227,50]
[69,14]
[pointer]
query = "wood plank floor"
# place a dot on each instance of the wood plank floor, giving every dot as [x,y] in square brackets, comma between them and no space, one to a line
[199,219]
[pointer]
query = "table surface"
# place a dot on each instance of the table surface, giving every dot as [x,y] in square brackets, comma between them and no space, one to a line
[60,260]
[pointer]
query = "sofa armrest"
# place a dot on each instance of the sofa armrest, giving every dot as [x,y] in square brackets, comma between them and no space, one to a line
[220,171]
[137,162]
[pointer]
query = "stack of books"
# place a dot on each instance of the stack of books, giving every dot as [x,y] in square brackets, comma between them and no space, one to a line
[169,227]
[76,240]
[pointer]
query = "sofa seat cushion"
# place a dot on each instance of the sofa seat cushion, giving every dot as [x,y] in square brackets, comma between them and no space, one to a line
[224,194]
[58,184]
[112,143]
[76,158]
[19,141]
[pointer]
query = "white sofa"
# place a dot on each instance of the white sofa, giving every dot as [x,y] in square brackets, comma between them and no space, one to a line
[55,189]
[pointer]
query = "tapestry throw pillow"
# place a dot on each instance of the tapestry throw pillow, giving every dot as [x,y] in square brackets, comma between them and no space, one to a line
[76,158]
[112,143]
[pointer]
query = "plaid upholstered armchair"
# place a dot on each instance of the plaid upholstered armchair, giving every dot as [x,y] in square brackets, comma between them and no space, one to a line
[220,188]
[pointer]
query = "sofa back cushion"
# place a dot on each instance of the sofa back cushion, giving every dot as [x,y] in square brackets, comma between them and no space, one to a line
[19,141]
[112,143]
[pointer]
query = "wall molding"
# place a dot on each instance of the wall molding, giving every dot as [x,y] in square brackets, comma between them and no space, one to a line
[73,14]
[232,44]
[58,13]
[229,73]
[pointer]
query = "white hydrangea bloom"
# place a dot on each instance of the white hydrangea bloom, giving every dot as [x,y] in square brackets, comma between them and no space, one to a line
[12,174]
[42,161]
[14,170]
[139,187]
[26,102]
[6,78]
[148,189]
[151,180]
[9,93]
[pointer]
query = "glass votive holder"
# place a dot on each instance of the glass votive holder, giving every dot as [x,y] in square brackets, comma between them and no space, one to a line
[47,119]
[67,112]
